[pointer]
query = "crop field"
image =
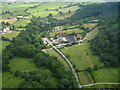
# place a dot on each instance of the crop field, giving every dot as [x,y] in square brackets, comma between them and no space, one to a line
[70,31]
[12,35]
[54,53]
[4,44]
[22,23]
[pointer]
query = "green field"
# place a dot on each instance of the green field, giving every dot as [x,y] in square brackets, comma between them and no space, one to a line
[9,81]
[90,25]
[106,75]
[54,53]
[11,21]
[85,78]
[79,58]
[44,14]
[22,23]
[72,9]
[92,34]
[49,6]
[4,44]
[12,35]
[24,65]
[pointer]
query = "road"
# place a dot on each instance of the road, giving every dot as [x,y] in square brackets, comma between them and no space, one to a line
[71,66]
[97,84]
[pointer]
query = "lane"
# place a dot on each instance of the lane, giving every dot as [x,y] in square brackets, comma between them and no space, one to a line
[98,84]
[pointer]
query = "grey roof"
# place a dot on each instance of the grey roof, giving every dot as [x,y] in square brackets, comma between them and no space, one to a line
[71,38]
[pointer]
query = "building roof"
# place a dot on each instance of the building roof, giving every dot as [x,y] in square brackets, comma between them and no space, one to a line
[71,38]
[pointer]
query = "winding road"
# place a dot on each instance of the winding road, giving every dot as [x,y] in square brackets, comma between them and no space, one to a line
[71,66]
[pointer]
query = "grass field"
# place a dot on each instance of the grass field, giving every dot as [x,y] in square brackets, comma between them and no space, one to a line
[11,21]
[10,36]
[72,9]
[85,78]
[22,64]
[9,81]
[69,31]
[54,53]
[79,58]
[44,14]
[4,44]
[49,6]
[92,34]
[22,22]
[90,25]
[106,75]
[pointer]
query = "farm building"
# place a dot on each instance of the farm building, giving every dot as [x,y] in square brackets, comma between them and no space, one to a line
[71,38]
[79,35]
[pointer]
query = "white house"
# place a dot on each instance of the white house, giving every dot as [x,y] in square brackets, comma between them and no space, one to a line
[6,29]
[64,39]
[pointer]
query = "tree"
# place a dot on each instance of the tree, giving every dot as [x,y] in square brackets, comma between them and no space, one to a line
[69,11]
[17,73]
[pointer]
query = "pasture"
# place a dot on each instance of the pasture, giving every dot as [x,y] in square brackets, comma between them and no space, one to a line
[79,58]
[106,75]
[54,53]
[12,35]
[92,34]
[9,81]
[22,64]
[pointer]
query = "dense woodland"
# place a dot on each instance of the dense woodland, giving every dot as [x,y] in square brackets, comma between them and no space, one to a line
[105,44]
[29,44]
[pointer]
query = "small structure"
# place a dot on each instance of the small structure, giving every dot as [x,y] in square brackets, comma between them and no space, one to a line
[64,39]
[82,41]
[61,45]
[48,22]
[20,17]
[79,35]
[51,39]
[6,29]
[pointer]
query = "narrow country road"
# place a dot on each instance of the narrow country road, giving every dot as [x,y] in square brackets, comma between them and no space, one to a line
[97,84]
[71,66]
